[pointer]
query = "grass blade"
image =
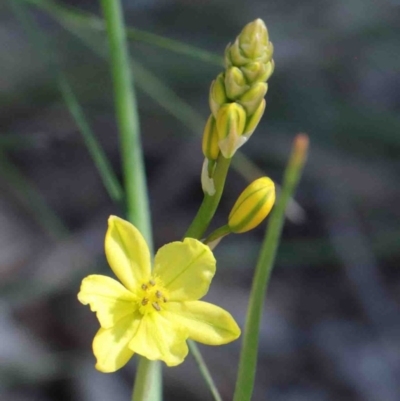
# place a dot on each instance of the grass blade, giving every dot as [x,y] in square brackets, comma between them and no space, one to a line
[194,350]
[248,357]
[90,20]
[32,199]
[41,42]
[100,160]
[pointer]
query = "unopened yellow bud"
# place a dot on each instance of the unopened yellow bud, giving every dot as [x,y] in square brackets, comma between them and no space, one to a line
[254,119]
[235,83]
[210,139]
[231,120]
[252,98]
[217,94]
[252,206]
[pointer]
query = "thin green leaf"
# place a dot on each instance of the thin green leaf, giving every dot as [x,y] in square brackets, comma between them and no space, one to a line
[248,357]
[32,199]
[100,160]
[194,349]
[17,141]
[44,47]
[89,20]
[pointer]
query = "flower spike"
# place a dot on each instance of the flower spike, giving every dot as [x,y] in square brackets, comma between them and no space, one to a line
[248,65]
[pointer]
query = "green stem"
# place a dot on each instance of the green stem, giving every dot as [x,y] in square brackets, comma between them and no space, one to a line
[204,370]
[196,230]
[210,203]
[248,357]
[128,120]
[218,233]
[148,382]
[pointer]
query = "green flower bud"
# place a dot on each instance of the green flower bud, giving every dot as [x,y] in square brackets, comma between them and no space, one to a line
[251,45]
[231,120]
[237,58]
[235,83]
[268,53]
[253,39]
[258,71]
[252,98]
[252,206]
[210,139]
[254,119]
[217,94]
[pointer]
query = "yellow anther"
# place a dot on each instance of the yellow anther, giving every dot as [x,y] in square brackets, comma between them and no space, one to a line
[156,306]
[152,282]
[158,294]
[144,287]
[145,301]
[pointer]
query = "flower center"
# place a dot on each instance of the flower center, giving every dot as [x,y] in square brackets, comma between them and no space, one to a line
[153,296]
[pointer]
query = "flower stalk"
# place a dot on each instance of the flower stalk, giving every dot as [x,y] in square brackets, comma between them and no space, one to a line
[137,203]
[210,202]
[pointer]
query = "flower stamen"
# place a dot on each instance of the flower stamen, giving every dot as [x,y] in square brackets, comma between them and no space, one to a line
[153,296]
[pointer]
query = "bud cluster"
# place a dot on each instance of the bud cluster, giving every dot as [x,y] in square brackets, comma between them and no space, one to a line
[237,95]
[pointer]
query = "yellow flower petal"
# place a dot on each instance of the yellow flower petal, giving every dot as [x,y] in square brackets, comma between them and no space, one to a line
[110,346]
[158,339]
[206,323]
[106,296]
[185,268]
[127,253]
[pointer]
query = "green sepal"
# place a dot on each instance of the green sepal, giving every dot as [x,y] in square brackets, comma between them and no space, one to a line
[252,98]
[254,119]
[210,139]
[235,83]
[217,95]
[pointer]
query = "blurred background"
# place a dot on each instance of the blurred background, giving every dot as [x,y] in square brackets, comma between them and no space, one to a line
[331,323]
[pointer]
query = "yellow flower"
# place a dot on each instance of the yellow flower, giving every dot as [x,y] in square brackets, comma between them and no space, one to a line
[153,313]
